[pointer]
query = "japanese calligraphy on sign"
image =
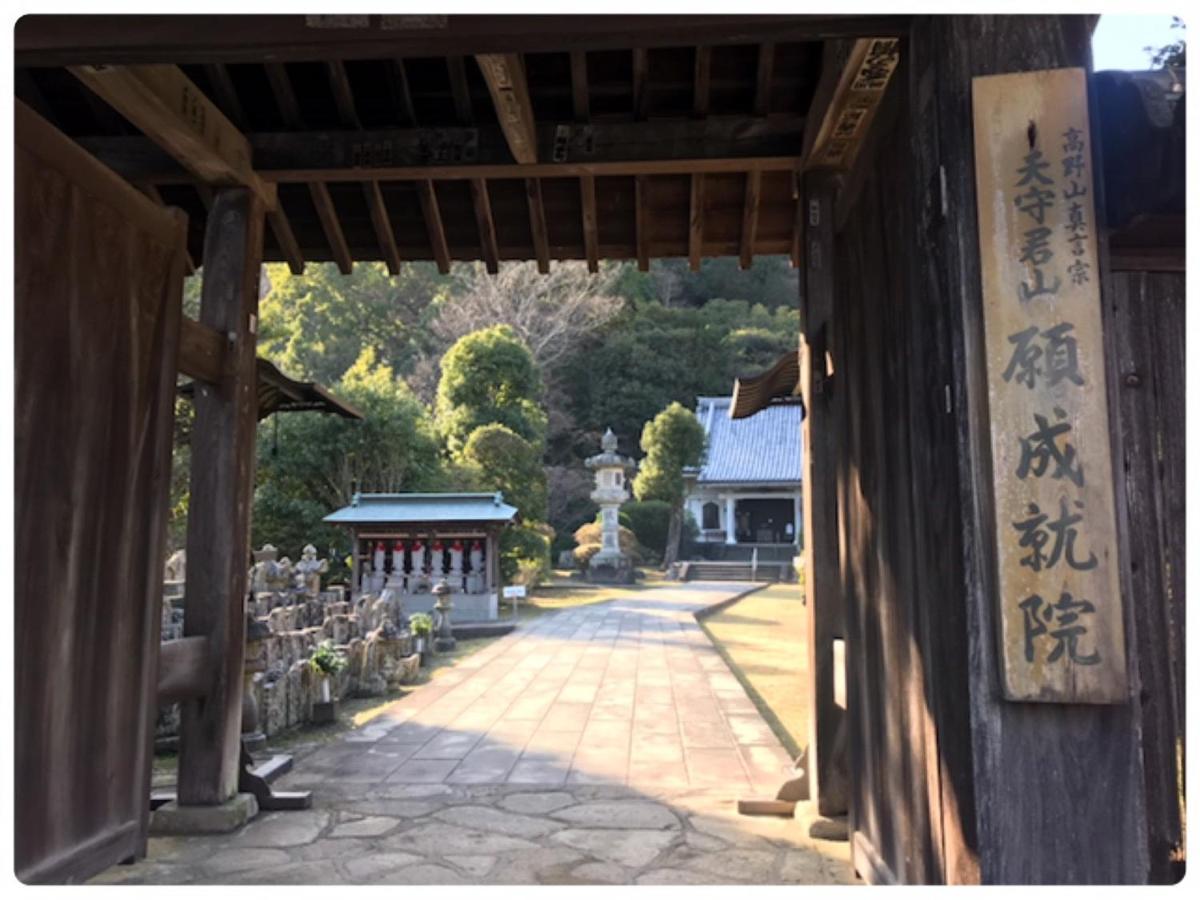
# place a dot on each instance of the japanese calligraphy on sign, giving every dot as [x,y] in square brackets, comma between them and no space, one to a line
[1061,632]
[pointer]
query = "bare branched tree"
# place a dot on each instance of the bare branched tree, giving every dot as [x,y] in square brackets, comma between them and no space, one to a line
[551,313]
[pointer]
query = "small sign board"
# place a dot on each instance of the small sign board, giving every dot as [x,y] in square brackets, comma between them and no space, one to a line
[514,590]
[1061,630]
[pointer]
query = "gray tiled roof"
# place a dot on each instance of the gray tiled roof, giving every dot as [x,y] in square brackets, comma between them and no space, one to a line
[763,448]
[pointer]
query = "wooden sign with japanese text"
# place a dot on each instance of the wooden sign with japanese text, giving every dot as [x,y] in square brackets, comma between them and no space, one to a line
[1061,631]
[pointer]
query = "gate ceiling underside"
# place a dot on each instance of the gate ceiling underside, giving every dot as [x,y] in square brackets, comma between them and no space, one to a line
[642,137]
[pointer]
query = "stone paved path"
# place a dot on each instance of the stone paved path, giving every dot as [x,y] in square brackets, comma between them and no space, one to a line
[600,744]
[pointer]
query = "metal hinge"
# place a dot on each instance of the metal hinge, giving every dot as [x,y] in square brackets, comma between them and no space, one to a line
[943,193]
[949,403]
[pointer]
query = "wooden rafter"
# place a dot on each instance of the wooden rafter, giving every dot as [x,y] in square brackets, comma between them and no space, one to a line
[457,68]
[383,226]
[703,79]
[402,93]
[487,228]
[285,96]
[591,241]
[505,77]
[286,239]
[331,226]
[641,65]
[579,85]
[433,224]
[537,224]
[641,224]
[750,217]
[696,223]
[343,95]
[166,106]
[838,135]
[762,85]
[227,96]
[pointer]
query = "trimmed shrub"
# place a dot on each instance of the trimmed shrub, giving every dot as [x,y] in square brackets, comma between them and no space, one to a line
[649,520]
[525,554]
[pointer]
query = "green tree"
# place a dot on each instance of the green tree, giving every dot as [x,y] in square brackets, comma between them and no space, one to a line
[310,464]
[672,441]
[502,460]
[1172,55]
[490,376]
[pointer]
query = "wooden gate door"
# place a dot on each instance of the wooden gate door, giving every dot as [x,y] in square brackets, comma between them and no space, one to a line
[99,271]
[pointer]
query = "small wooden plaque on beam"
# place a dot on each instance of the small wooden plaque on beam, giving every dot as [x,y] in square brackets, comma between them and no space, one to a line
[1061,629]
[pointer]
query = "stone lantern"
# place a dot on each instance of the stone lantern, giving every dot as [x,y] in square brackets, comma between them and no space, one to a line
[612,489]
[443,634]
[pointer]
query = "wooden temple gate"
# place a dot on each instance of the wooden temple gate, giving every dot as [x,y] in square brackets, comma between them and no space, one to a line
[844,142]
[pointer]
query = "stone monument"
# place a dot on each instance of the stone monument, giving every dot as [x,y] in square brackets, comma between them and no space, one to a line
[610,564]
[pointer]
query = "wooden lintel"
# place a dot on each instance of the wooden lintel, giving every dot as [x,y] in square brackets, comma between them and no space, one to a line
[457,69]
[837,134]
[183,669]
[750,217]
[766,70]
[601,143]
[487,228]
[202,351]
[331,226]
[285,97]
[703,80]
[227,96]
[505,77]
[537,224]
[286,239]
[696,223]
[638,77]
[433,224]
[343,96]
[579,85]
[383,226]
[641,211]
[587,196]
[164,104]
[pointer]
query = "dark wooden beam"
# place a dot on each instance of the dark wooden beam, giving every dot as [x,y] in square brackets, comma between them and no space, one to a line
[702,79]
[487,228]
[762,88]
[343,95]
[60,40]
[202,351]
[537,224]
[641,201]
[183,669]
[222,488]
[168,108]
[696,223]
[641,65]
[721,138]
[839,134]
[227,96]
[382,225]
[591,247]
[750,217]
[402,95]
[285,97]
[579,85]
[331,226]
[505,77]
[153,193]
[433,224]
[459,89]
[282,228]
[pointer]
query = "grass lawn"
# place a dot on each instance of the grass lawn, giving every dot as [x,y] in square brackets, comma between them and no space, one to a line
[762,639]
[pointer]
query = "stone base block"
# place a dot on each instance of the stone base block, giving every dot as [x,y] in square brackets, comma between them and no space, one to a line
[171,818]
[324,713]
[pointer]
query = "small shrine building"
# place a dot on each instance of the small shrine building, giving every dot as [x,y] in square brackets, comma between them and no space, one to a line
[407,543]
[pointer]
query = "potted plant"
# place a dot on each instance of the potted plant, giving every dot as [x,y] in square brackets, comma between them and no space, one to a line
[421,626]
[326,662]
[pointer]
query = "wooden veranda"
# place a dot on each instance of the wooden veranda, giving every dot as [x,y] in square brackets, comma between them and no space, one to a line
[153,145]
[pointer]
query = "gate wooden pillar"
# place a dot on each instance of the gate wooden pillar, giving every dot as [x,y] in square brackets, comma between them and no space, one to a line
[827,750]
[222,486]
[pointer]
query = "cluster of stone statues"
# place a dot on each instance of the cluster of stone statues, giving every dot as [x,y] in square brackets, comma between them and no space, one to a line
[412,567]
[269,573]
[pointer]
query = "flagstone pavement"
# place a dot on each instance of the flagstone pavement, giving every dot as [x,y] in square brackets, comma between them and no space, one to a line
[601,744]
